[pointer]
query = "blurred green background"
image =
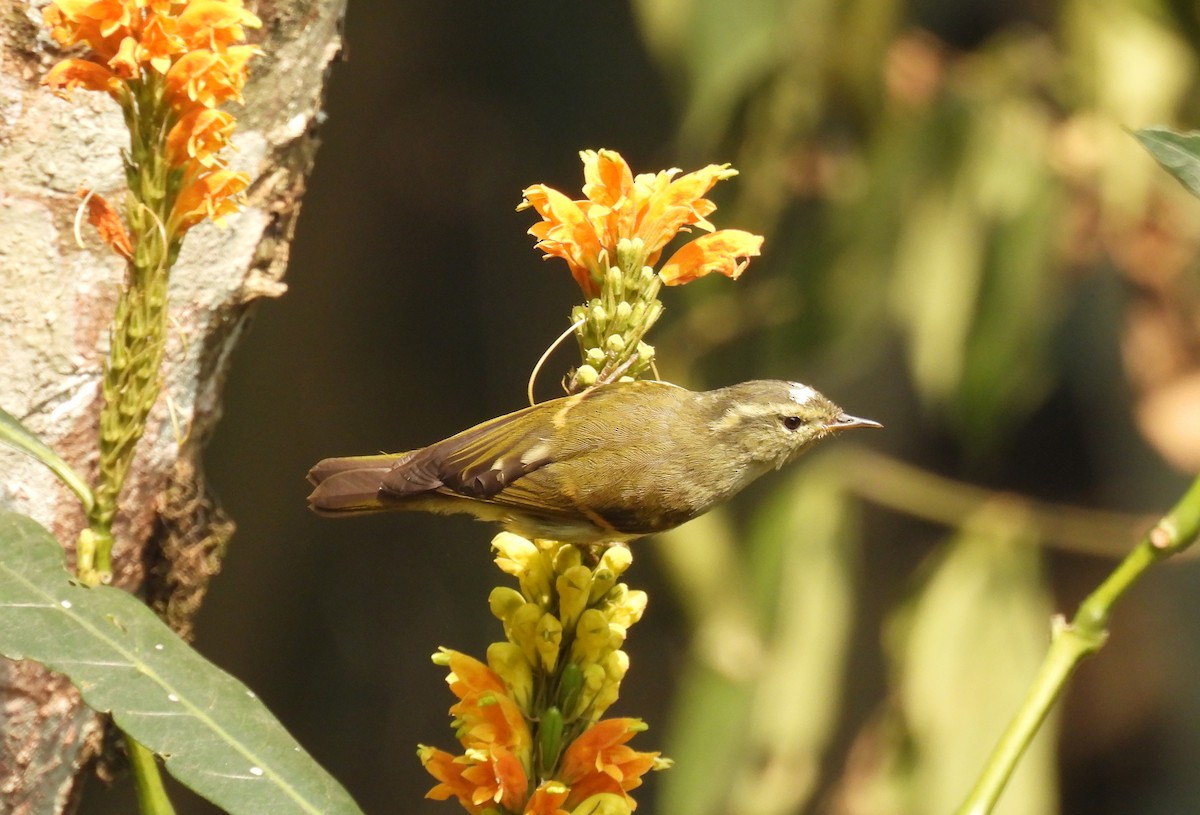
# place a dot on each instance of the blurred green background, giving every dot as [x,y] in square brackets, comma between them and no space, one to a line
[962,242]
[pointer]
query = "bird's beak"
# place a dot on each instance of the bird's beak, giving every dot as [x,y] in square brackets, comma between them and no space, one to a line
[845,421]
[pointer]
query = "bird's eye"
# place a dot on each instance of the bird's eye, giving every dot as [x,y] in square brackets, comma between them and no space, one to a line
[791,422]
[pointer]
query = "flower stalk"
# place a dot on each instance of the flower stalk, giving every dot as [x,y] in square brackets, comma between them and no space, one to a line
[530,720]
[168,64]
[612,325]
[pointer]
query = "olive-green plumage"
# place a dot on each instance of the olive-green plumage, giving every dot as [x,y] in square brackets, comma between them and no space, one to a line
[612,463]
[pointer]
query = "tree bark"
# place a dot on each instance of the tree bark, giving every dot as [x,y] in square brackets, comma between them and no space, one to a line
[56,300]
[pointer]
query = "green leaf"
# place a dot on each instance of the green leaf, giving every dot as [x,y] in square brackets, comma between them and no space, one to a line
[214,734]
[17,436]
[1178,153]
[964,651]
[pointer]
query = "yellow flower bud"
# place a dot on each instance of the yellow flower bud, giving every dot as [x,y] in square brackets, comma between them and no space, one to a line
[510,664]
[503,601]
[616,638]
[594,680]
[615,281]
[513,553]
[573,586]
[630,252]
[624,311]
[605,698]
[521,629]
[566,557]
[592,637]
[616,557]
[548,639]
[586,375]
[603,579]
[615,343]
[525,561]
[595,357]
[614,666]
[628,610]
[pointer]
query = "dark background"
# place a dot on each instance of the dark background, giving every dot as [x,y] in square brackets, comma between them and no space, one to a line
[417,306]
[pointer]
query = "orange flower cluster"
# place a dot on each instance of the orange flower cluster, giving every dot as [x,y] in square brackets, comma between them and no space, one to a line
[494,770]
[529,720]
[648,208]
[173,63]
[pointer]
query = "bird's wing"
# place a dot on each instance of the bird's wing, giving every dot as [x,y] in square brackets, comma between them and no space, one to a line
[479,462]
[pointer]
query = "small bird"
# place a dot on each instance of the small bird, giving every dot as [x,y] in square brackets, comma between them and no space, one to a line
[611,463]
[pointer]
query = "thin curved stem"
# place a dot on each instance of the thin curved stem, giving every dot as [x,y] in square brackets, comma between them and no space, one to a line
[1071,642]
[890,483]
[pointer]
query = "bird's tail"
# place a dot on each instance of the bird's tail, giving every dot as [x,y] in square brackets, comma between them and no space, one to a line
[349,485]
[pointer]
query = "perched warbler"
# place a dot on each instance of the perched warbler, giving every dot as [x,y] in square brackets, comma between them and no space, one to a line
[609,464]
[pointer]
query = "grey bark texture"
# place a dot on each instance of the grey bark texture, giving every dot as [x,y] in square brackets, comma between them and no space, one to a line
[56,300]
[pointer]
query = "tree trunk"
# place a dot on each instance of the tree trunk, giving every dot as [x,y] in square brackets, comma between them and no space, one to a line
[56,301]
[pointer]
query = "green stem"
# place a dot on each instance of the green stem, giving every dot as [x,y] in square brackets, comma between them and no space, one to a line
[151,794]
[885,481]
[130,383]
[1072,642]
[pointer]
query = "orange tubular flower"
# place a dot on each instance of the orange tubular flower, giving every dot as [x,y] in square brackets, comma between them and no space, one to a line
[174,179]
[103,216]
[448,770]
[100,24]
[566,232]
[160,43]
[485,714]
[199,136]
[125,62]
[70,74]
[211,195]
[480,778]
[215,24]
[488,777]
[650,208]
[209,78]
[548,799]
[599,761]
[500,778]
[711,253]
[491,718]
